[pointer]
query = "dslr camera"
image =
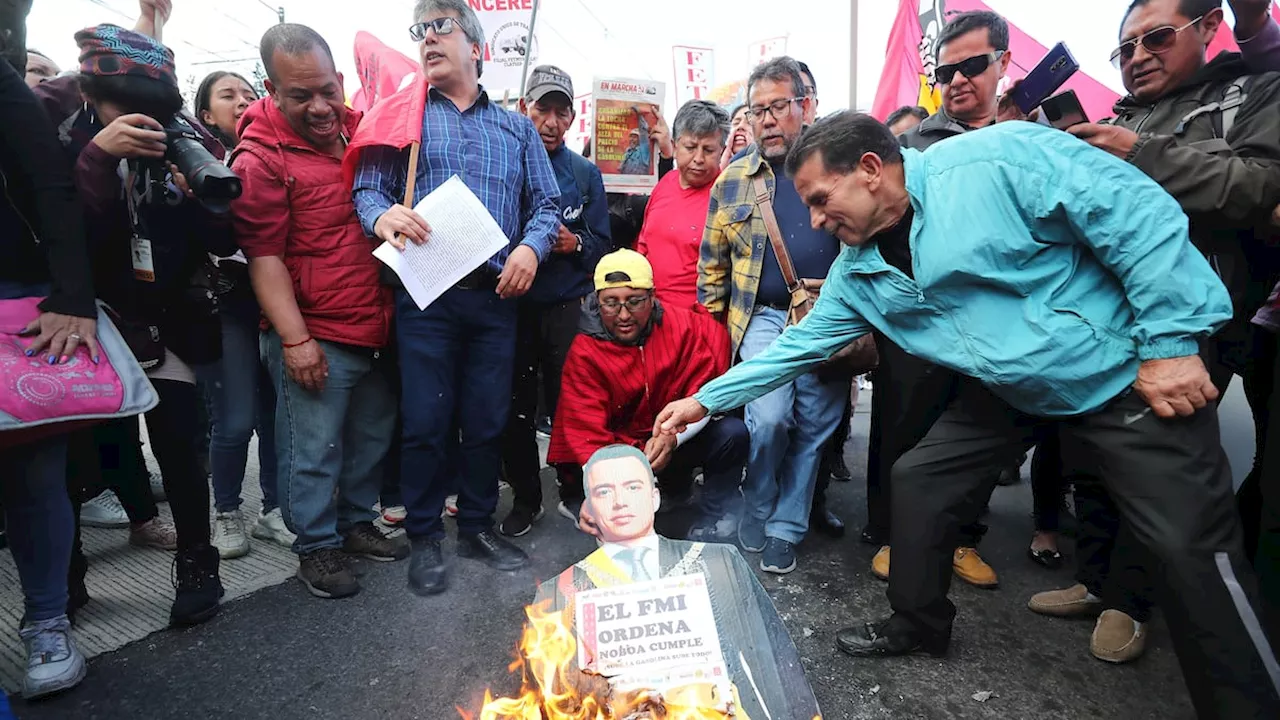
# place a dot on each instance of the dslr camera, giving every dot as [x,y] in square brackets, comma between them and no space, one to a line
[213,182]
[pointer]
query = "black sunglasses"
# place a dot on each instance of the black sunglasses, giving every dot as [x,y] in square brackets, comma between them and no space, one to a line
[969,67]
[442,26]
[1160,40]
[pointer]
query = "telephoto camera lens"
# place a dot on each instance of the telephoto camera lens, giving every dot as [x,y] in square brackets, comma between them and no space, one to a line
[212,182]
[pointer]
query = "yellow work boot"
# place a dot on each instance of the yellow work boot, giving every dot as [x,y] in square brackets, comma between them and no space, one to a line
[1117,638]
[971,568]
[880,563]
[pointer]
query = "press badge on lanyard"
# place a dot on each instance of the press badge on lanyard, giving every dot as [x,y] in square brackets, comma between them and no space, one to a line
[144,265]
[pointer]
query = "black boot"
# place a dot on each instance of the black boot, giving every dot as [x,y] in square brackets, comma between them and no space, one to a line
[836,465]
[198,585]
[891,636]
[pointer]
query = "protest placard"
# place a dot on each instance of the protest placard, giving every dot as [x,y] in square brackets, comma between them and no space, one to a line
[626,111]
[761,50]
[647,626]
[507,41]
[694,72]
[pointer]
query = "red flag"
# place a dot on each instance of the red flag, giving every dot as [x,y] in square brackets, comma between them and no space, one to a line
[1225,40]
[395,122]
[910,60]
[382,71]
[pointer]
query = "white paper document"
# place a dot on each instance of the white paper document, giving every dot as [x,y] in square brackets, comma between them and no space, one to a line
[463,237]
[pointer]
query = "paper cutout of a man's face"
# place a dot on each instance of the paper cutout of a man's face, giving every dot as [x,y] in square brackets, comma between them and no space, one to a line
[622,498]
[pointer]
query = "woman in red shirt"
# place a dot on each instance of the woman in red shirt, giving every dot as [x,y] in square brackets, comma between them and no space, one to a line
[671,237]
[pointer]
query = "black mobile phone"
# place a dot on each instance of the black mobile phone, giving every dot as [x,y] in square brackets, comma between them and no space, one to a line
[1045,78]
[1062,111]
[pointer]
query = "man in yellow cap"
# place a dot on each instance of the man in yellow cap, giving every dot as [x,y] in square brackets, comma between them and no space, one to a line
[632,356]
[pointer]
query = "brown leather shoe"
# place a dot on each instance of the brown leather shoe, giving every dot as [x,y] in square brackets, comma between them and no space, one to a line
[880,563]
[971,568]
[1074,601]
[1117,638]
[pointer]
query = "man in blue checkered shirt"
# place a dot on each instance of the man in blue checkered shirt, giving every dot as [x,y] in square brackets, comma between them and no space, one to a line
[456,356]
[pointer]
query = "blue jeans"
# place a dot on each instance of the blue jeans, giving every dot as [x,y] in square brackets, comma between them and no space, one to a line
[789,428]
[331,442]
[242,400]
[39,524]
[456,360]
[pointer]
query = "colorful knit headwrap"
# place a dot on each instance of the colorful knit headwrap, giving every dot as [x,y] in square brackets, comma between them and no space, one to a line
[111,50]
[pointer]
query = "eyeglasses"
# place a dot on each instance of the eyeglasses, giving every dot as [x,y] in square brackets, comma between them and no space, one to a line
[1156,41]
[442,26]
[779,108]
[613,307]
[969,67]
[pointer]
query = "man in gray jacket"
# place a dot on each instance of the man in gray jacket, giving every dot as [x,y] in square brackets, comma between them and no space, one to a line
[1206,132]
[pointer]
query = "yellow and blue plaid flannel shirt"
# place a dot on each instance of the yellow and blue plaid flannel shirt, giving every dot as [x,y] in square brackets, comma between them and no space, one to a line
[733,245]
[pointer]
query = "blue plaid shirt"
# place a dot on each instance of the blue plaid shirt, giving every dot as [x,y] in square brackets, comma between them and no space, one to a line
[497,153]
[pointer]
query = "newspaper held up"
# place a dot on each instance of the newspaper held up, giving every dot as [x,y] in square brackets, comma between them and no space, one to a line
[626,111]
[463,237]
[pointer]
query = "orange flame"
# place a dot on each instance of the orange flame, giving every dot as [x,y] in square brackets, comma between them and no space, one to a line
[554,689]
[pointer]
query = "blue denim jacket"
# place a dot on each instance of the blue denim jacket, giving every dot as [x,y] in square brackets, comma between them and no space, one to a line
[1044,268]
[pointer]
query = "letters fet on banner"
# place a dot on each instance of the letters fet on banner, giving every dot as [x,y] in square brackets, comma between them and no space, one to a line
[506,34]
[626,110]
[761,50]
[694,72]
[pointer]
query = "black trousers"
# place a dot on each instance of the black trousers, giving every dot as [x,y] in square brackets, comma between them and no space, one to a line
[173,430]
[1172,484]
[1268,548]
[543,336]
[908,396]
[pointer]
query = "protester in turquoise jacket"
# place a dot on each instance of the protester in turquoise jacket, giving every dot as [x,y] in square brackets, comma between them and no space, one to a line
[1043,268]
[1061,284]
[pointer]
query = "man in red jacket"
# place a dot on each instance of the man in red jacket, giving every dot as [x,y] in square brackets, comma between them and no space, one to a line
[631,356]
[327,315]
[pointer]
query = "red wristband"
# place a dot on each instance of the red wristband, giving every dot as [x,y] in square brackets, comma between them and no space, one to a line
[287,346]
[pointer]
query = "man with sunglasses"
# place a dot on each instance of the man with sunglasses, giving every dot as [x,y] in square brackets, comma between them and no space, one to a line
[739,280]
[973,55]
[631,357]
[457,355]
[1206,132]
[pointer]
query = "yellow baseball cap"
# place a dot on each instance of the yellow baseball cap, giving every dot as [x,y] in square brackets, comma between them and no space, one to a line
[624,268]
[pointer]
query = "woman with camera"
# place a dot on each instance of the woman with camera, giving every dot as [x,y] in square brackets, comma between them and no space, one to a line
[240,393]
[150,235]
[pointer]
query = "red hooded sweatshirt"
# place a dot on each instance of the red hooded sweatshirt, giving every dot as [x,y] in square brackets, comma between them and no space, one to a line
[611,393]
[296,205]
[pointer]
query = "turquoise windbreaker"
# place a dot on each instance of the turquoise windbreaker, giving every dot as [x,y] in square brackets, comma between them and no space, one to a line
[1044,268]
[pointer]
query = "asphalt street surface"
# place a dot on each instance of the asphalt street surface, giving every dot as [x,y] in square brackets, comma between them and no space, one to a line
[386,653]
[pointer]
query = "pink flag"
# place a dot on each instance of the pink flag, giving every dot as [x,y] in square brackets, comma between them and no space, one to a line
[1225,40]
[904,80]
[382,70]
[911,52]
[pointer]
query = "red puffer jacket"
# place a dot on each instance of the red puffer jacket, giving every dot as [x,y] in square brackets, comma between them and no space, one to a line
[296,205]
[611,393]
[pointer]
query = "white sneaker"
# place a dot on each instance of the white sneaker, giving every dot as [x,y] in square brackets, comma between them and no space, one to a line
[271,527]
[228,535]
[104,511]
[392,516]
[155,533]
[54,663]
